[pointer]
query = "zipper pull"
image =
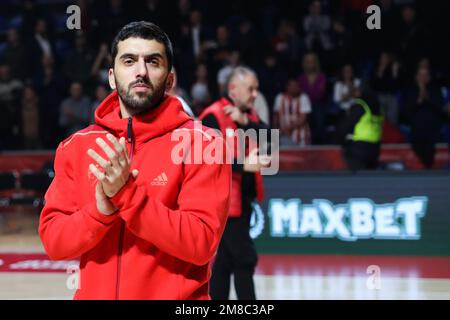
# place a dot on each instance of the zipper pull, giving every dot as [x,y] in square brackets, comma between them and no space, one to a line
[130,129]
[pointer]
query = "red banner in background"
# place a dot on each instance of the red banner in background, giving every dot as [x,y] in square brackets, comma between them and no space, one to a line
[314,158]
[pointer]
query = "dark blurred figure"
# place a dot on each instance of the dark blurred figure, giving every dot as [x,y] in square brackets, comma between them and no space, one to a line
[39,46]
[101,65]
[30,120]
[75,110]
[272,78]
[10,91]
[361,132]
[78,63]
[424,110]
[101,92]
[313,82]
[200,90]
[317,28]
[50,84]
[15,55]
[288,45]
[412,39]
[386,81]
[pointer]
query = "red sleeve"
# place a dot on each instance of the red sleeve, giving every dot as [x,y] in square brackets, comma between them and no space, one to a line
[193,231]
[66,230]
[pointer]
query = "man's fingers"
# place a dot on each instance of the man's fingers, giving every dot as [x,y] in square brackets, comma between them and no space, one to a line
[121,149]
[109,151]
[95,156]
[124,148]
[97,173]
[115,142]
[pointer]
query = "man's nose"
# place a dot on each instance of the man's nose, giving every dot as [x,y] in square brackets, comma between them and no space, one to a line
[141,69]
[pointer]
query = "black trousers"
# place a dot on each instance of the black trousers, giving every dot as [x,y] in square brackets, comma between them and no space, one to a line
[425,151]
[236,255]
[361,155]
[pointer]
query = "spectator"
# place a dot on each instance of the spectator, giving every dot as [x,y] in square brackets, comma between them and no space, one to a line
[313,83]
[79,62]
[101,92]
[317,26]
[248,42]
[386,82]
[184,54]
[200,35]
[413,37]
[181,94]
[39,46]
[271,79]
[15,56]
[200,93]
[342,45]
[291,115]
[10,90]
[50,84]
[347,88]
[232,61]
[30,120]
[75,110]
[101,65]
[286,43]
[424,103]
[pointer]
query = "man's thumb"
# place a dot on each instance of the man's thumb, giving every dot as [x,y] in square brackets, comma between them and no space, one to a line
[134,173]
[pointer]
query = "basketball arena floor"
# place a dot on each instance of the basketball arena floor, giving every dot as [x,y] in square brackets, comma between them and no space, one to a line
[27,273]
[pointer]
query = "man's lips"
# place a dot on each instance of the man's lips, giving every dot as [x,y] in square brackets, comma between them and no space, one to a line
[140,85]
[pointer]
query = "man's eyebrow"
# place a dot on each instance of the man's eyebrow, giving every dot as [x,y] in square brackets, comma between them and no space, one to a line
[148,56]
[128,55]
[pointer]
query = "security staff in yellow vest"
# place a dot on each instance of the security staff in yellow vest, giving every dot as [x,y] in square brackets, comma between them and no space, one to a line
[361,131]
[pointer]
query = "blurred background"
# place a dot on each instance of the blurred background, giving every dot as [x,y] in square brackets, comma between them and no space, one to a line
[52,79]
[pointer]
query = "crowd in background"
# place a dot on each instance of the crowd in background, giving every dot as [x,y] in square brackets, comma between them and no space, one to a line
[313,58]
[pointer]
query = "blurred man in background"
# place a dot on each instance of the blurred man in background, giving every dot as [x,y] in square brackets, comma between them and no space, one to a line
[237,254]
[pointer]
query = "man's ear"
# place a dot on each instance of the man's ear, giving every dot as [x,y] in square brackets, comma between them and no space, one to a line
[111,78]
[230,90]
[170,81]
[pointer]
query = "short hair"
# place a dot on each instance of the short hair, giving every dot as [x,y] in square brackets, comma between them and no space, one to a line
[240,71]
[144,30]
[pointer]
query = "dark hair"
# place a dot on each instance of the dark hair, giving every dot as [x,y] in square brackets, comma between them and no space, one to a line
[144,30]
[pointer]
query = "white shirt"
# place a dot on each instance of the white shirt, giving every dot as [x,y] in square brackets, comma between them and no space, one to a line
[340,90]
[44,44]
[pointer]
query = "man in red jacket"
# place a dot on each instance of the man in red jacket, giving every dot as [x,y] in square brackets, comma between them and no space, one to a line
[237,254]
[143,226]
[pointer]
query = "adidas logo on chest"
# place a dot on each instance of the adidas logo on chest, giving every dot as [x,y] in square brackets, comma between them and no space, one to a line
[160,180]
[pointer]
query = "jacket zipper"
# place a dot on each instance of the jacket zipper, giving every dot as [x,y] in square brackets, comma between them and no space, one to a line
[130,139]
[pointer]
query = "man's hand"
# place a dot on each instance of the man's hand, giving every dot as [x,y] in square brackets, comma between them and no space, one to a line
[236,115]
[116,170]
[255,162]
[104,205]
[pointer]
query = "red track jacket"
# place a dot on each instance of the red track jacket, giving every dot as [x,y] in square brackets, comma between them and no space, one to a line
[170,219]
[225,124]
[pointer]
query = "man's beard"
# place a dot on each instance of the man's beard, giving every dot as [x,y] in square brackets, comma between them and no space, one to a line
[141,102]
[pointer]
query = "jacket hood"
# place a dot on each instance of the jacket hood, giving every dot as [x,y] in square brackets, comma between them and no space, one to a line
[166,117]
